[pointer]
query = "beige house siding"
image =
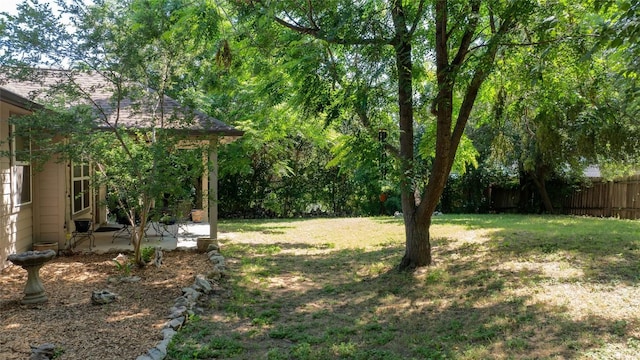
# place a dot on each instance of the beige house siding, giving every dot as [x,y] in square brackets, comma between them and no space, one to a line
[16,222]
[49,197]
[24,228]
[7,241]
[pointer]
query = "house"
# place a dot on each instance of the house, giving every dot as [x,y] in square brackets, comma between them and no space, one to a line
[41,206]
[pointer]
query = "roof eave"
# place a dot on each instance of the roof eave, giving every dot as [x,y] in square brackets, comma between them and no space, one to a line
[17,100]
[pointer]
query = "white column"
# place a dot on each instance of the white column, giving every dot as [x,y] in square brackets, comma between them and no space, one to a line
[213,188]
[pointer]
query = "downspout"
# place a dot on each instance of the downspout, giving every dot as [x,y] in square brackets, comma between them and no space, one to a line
[67,205]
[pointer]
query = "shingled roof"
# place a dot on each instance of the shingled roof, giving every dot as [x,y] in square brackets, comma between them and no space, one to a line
[94,89]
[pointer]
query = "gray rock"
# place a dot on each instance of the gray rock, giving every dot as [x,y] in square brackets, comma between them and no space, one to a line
[168,333]
[176,323]
[42,352]
[199,311]
[213,253]
[130,279]
[202,283]
[217,259]
[101,297]
[157,354]
[162,346]
[215,274]
[213,246]
[191,294]
[158,257]
[182,301]
[177,311]
[144,357]
[221,268]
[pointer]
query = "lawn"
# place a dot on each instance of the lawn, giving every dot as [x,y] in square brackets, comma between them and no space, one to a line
[502,287]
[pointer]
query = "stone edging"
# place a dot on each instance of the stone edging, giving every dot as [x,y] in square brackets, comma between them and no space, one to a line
[185,304]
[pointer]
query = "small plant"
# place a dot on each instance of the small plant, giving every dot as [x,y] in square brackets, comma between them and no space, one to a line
[277,354]
[124,268]
[266,317]
[57,352]
[123,264]
[147,254]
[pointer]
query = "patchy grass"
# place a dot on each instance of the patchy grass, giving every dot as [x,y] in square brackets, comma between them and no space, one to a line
[501,287]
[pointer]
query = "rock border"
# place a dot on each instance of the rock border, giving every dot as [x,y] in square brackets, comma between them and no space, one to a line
[185,305]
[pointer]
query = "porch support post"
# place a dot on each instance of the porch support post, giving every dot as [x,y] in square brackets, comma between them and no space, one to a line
[203,202]
[213,188]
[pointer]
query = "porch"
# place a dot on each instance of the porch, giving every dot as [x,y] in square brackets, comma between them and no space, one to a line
[168,237]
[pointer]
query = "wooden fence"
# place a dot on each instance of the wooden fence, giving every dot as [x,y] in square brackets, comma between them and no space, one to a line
[619,198]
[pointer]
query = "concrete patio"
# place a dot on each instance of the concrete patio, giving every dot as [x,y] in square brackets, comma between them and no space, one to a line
[116,240]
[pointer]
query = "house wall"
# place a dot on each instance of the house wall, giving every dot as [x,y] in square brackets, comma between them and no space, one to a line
[49,203]
[16,222]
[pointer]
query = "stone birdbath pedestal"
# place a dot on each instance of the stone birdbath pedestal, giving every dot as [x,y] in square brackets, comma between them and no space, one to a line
[32,261]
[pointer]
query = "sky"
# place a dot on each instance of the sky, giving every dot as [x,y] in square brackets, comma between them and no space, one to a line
[9,5]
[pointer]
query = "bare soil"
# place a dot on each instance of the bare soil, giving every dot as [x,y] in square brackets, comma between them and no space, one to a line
[123,329]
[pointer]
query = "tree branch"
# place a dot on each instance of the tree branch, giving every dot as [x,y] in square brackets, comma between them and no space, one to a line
[311,19]
[467,38]
[301,29]
[416,21]
[483,69]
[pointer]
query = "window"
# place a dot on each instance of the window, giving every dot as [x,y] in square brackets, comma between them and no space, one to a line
[21,151]
[80,187]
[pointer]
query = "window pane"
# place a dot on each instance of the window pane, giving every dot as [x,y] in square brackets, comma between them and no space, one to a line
[86,194]
[85,170]
[77,198]
[23,181]
[22,149]
[77,171]
[77,204]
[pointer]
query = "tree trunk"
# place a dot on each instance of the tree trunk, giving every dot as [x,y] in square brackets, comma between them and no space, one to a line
[418,248]
[538,180]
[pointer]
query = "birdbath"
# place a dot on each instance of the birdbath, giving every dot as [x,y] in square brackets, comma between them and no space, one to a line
[32,261]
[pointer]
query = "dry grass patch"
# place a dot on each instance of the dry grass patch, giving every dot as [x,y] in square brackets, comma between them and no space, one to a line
[502,287]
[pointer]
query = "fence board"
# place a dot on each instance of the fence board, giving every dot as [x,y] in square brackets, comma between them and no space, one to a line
[619,198]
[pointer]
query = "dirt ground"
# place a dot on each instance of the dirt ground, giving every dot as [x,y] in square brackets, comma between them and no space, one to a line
[124,329]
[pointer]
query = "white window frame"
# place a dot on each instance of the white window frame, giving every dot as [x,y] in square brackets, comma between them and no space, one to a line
[18,166]
[83,180]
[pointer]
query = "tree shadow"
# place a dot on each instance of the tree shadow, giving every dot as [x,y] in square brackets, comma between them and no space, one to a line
[605,250]
[601,259]
[350,304]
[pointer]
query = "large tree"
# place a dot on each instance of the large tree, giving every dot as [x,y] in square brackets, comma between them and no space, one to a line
[397,42]
[563,103]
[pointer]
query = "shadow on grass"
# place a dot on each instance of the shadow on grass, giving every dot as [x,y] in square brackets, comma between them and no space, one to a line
[352,304]
[604,249]
[604,255]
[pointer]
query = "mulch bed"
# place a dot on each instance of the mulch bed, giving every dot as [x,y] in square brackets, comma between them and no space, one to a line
[124,329]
